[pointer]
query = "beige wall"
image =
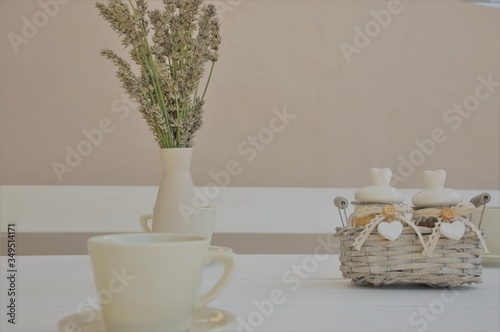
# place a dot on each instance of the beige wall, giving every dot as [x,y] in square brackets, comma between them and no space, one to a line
[280,54]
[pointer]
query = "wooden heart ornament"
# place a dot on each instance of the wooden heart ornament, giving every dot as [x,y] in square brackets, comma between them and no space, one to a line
[390,230]
[453,231]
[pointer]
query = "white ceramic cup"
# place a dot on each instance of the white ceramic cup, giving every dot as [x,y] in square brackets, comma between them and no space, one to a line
[491,228]
[150,281]
[201,224]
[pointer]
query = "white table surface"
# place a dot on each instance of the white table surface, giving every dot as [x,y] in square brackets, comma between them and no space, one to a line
[117,208]
[52,287]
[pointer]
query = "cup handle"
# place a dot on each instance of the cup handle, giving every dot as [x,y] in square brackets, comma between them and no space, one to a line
[144,222]
[229,261]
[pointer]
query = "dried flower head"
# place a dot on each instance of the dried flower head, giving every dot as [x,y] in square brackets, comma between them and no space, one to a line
[171,47]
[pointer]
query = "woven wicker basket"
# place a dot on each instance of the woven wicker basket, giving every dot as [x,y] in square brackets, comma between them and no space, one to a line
[380,261]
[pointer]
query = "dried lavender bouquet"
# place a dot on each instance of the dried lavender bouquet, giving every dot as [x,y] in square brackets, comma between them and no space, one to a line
[170,47]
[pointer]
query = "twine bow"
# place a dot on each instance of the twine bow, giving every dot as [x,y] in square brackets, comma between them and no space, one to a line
[389,212]
[454,213]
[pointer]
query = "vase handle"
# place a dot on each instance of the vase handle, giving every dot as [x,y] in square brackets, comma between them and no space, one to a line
[144,222]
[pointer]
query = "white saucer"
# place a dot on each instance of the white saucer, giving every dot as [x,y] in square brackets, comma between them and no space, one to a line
[206,319]
[491,260]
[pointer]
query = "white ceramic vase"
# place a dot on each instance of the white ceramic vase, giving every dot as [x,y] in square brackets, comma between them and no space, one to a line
[176,192]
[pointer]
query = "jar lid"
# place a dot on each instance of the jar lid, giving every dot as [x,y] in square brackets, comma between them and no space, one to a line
[380,191]
[434,193]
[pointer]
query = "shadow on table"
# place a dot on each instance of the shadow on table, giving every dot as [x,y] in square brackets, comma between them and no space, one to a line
[242,243]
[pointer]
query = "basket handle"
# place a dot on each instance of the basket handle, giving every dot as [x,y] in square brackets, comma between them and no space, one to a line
[480,199]
[341,203]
